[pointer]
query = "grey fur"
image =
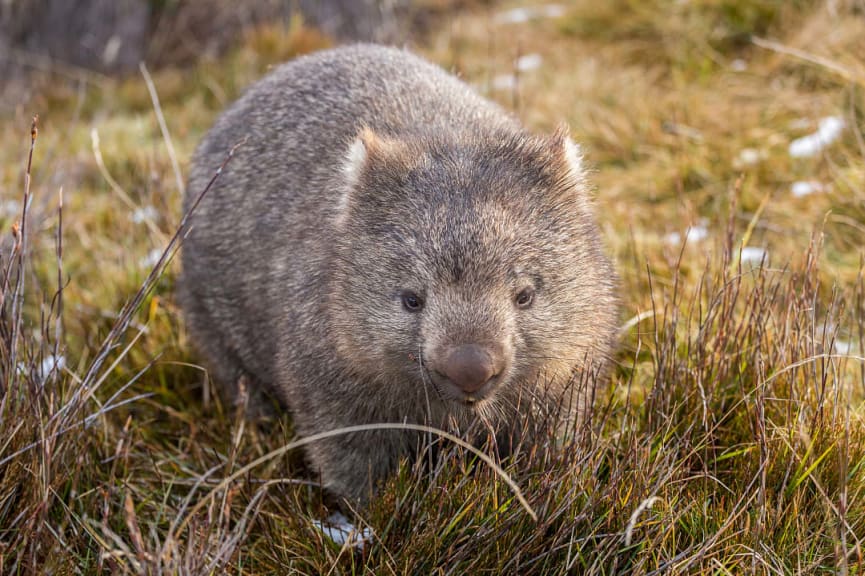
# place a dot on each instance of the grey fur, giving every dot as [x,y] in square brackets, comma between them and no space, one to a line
[369,173]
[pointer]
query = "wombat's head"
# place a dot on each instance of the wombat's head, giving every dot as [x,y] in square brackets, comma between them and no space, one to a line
[470,266]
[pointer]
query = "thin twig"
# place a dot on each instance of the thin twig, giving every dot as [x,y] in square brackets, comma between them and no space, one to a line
[58,311]
[18,296]
[352,430]
[163,127]
[115,187]
[91,379]
[845,73]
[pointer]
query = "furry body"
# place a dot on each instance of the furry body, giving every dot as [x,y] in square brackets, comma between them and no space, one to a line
[388,246]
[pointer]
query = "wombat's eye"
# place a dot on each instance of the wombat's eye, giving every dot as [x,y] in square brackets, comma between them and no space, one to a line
[525,297]
[412,302]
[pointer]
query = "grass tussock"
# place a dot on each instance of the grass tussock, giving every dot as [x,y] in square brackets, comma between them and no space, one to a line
[729,438]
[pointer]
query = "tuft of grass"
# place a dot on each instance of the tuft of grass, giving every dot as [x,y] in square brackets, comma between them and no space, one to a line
[729,438]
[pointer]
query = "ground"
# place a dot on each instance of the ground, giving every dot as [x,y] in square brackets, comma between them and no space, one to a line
[726,143]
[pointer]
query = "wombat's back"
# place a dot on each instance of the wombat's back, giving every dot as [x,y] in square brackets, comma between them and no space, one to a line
[266,219]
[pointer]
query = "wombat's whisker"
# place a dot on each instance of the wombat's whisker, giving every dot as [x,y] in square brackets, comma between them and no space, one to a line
[427,384]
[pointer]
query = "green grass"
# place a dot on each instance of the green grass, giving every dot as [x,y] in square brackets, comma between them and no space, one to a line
[729,438]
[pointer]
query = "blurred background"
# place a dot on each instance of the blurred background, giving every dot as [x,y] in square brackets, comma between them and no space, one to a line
[112,36]
[727,156]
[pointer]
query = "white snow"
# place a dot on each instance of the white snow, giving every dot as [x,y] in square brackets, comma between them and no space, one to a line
[504,82]
[340,530]
[844,343]
[529,62]
[49,363]
[754,255]
[521,15]
[151,259]
[553,10]
[10,208]
[749,157]
[829,129]
[845,347]
[144,214]
[807,187]
[694,234]
[673,238]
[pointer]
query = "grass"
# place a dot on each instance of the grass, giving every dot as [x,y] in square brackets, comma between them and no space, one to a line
[730,438]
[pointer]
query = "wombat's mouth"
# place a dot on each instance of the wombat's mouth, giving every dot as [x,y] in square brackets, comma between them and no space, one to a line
[451,392]
[466,374]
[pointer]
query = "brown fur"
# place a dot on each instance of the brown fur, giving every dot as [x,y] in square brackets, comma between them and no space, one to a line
[370,177]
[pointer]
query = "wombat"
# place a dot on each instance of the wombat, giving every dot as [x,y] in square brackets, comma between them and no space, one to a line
[390,247]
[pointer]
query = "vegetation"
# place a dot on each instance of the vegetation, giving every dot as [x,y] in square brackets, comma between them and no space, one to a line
[729,438]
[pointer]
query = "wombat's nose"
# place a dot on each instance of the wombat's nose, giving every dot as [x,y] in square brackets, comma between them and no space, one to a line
[470,367]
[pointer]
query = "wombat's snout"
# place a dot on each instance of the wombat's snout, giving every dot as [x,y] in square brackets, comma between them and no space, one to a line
[470,366]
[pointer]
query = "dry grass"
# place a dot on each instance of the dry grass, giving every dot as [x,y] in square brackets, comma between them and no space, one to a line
[729,439]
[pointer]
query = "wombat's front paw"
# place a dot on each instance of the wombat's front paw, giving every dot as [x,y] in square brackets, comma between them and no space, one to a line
[353,466]
[253,402]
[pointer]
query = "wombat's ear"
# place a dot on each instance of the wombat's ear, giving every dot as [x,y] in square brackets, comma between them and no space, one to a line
[567,153]
[352,168]
[366,149]
[357,156]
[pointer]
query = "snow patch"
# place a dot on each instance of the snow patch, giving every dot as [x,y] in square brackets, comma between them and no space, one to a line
[749,157]
[144,214]
[341,531]
[505,82]
[845,347]
[842,342]
[50,364]
[151,259]
[522,15]
[696,233]
[10,208]
[807,187]
[738,65]
[529,62]
[829,129]
[754,255]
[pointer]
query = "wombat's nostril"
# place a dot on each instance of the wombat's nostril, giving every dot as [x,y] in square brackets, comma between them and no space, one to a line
[470,367]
